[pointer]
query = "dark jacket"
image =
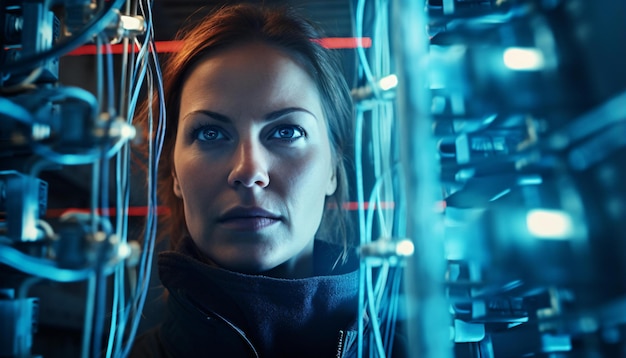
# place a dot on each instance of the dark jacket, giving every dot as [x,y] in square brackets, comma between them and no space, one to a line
[219,313]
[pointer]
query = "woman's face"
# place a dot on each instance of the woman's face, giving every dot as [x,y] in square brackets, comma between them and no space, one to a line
[252,160]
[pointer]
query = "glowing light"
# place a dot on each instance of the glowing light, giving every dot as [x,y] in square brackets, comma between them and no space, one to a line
[405,248]
[388,82]
[523,59]
[30,233]
[128,131]
[123,251]
[332,43]
[549,224]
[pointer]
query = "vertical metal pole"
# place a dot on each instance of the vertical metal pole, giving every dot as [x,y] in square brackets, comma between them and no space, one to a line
[429,319]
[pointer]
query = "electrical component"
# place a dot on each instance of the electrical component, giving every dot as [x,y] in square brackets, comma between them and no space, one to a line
[18,324]
[387,248]
[45,125]
[31,29]
[526,101]
[23,201]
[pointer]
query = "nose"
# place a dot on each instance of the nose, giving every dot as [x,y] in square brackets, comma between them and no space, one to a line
[250,166]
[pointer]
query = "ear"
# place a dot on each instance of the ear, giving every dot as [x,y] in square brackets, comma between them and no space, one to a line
[332,183]
[176,186]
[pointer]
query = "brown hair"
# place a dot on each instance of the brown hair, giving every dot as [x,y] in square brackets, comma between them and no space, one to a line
[288,31]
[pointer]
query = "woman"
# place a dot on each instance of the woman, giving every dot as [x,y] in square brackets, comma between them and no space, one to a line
[259,120]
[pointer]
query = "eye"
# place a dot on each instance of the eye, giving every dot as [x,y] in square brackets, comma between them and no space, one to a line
[208,134]
[288,133]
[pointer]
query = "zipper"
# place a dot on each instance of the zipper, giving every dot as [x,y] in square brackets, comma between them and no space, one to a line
[213,315]
[238,330]
[340,344]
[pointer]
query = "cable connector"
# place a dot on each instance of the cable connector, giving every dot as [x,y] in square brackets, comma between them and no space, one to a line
[388,248]
[125,26]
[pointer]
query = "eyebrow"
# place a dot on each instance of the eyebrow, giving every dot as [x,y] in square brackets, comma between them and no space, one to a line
[268,117]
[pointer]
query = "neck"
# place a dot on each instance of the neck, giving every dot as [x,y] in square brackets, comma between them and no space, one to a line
[299,266]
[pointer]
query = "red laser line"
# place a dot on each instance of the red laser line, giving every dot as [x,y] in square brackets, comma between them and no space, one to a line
[174,46]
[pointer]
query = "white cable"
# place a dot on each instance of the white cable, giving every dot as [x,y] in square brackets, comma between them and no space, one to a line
[373,316]
[383,190]
[362,233]
[364,270]
[360,12]
[91,290]
[140,65]
[156,152]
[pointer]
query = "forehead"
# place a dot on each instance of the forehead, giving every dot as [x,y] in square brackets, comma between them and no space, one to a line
[257,73]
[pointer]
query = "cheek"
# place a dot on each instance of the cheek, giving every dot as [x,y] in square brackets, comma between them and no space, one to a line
[193,176]
[310,178]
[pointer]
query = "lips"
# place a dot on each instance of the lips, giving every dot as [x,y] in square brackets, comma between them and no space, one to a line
[248,219]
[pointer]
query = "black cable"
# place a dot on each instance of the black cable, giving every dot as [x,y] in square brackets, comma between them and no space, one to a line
[100,300]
